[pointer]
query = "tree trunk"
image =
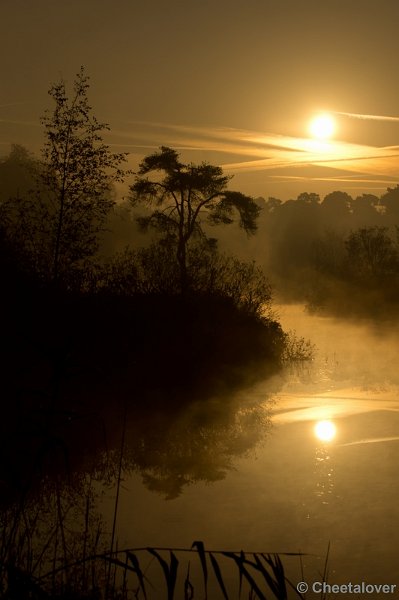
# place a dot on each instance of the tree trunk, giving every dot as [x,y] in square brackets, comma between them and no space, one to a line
[182,260]
[56,261]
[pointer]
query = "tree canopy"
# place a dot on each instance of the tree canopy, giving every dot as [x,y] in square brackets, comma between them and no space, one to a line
[77,172]
[185,197]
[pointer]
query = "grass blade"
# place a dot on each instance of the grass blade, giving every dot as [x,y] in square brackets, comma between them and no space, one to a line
[268,578]
[278,571]
[136,566]
[170,572]
[188,588]
[218,574]
[325,572]
[117,562]
[278,584]
[201,551]
[240,560]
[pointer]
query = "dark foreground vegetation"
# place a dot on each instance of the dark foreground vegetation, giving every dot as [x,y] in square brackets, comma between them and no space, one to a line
[92,346]
[179,573]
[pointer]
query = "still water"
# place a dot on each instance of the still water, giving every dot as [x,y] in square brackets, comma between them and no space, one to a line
[296,465]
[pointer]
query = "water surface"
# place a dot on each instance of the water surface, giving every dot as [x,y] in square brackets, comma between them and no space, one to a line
[262,480]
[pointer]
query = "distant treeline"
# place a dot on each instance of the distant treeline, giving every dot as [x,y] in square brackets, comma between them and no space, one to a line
[339,254]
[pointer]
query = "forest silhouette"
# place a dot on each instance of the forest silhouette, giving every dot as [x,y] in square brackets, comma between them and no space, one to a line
[339,255]
[164,321]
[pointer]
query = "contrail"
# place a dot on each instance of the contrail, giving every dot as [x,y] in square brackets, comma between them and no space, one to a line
[367,117]
[372,441]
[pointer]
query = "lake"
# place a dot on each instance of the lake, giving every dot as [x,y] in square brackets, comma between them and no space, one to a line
[261,479]
[303,462]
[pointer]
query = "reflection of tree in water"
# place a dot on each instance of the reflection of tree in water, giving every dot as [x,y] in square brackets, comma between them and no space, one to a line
[47,529]
[57,521]
[200,445]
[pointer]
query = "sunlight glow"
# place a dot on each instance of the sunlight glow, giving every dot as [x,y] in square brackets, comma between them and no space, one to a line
[325,431]
[272,151]
[322,127]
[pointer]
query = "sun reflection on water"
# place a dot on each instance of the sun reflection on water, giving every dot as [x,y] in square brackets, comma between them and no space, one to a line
[324,473]
[325,431]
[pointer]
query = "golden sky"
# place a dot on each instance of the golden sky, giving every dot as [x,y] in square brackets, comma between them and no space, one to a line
[230,82]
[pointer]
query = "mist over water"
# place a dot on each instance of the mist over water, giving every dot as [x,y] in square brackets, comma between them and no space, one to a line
[358,352]
[287,490]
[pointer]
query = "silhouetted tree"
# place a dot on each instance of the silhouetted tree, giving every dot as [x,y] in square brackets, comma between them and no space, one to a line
[371,252]
[365,211]
[19,220]
[329,253]
[77,173]
[16,173]
[273,204]
[390,200]
[308,198]
[336,209]
[185,197]
[292,227]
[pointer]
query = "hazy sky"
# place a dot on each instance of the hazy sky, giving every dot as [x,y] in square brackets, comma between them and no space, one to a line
[231,82]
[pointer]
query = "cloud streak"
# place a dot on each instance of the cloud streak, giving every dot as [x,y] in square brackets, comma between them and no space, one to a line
[259,151]
[339,179]
[372,441]
[367,117]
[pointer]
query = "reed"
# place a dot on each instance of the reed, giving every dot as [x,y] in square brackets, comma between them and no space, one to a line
[59,551]
[260,575]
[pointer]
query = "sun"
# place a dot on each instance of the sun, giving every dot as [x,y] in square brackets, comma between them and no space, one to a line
[325,431]
[322,127]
